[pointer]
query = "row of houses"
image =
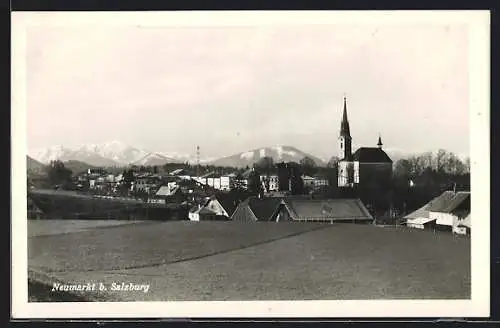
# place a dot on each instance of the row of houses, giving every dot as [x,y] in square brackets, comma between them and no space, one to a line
[279,209]
[449,211]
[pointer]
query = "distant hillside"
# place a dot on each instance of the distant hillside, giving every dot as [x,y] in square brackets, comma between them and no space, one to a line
[34,166]
[278,154]
[152,159]
[78,166]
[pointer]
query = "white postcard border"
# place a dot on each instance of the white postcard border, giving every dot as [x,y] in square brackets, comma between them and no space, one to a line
[479,40]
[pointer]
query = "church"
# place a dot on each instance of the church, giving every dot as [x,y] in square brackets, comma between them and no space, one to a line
[368,167]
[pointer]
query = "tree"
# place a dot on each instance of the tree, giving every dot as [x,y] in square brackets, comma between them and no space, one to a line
[128,178]
[58,174]
[440,159]
[296,182]
[254,185]
[237,184]
[332,163]
[265,164]
[308,166]
[467,164]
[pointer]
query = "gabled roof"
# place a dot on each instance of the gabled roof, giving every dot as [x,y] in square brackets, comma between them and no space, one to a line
[205,210]
[264,208]
[247,173]
[167,190]
[447,202]
[177,172]
[301,209]
[461,200]
[371,155]
[465,222]
[337,209]
[209,175]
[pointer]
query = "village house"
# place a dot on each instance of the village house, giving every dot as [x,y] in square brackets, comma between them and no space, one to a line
[449,211]
[168,194]
[273,181]
[216,181]
[214,207]
[146,183]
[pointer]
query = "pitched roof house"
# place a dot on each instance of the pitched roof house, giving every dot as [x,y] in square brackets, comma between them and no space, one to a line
[215,207]
[301,209]
[447,210]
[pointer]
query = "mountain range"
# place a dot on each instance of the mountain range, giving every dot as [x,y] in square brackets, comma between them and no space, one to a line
[117,153]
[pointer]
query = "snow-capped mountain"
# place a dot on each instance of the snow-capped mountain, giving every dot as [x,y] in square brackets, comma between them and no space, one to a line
[116,151]
[66,154]
[278,154]
[112,153]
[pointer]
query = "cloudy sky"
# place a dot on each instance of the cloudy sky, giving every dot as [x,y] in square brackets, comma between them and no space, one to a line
[231,89]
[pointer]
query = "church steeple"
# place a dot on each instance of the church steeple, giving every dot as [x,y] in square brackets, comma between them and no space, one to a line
[379,143]
[345,135]
[344,126]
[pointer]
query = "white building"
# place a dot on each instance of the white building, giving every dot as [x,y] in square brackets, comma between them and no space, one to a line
[211,209]
[273,182]
[449,211]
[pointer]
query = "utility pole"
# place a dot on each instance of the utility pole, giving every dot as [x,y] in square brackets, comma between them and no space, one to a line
[198,161]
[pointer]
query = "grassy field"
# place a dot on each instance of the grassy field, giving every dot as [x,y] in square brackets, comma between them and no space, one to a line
[55,227]
[264,261]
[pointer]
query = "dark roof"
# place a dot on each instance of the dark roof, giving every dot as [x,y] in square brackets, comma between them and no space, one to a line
[337,209]
[243,213]
[447,202]
[460,201]
[344,125]
[229,201]
[301,208]
[371,155]
[205,210]
[264,208]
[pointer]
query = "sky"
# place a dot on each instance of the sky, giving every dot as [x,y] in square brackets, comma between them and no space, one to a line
[232,89]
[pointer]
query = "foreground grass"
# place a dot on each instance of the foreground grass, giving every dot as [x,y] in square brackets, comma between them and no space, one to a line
[55,227]
[265,261]
[150,244]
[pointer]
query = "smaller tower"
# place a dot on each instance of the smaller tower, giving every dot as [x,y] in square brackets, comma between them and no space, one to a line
[379,143]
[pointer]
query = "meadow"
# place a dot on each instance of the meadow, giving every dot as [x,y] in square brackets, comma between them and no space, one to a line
[263,261]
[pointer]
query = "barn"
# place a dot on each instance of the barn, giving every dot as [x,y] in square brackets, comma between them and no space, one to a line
[302,209]
[444,212]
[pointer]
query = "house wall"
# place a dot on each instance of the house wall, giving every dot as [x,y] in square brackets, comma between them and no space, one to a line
[273,182]
[415,225]
[215,206]
[446,219]
[194,216]
[345,174]
[225,183]
[283,215]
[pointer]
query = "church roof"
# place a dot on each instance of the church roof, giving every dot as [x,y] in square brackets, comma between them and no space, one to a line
[371,155]
[344,125]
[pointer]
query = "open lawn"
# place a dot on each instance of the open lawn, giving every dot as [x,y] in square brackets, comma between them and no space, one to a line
[263,261]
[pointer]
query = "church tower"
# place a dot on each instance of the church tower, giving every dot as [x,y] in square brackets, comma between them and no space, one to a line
[379,143]
[345,139]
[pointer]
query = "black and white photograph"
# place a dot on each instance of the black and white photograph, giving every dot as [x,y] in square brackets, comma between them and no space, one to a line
[250,164]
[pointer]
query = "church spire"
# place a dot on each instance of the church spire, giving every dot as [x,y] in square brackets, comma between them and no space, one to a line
[379,143]
[344,126]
